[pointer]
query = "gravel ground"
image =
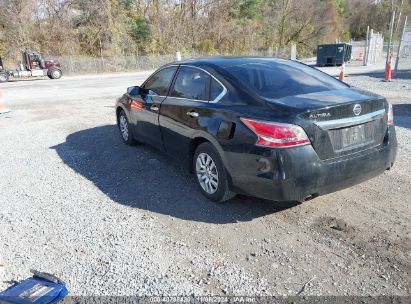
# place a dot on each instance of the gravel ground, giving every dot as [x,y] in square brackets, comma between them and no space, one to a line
[116,220]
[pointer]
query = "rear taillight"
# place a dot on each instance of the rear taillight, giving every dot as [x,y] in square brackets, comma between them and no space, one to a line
[278,135]
[390,120]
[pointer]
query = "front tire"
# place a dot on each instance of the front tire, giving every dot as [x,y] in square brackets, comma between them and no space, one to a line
[210,173]
[125,129]
[54,74]
[4,77]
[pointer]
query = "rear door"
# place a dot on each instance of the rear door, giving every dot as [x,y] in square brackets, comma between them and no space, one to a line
[186,109]
[145,109]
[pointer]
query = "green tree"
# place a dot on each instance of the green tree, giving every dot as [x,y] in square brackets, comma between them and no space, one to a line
[247,9]
[139,30]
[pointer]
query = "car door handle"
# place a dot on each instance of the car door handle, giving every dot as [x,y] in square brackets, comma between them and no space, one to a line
[193,114]
[154,108]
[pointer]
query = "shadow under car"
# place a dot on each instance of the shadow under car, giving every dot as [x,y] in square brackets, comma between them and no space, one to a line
[144,178]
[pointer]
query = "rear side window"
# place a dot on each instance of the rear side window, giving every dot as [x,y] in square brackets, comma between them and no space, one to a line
[215,89]
[160,82]
[277,79]
[191,83]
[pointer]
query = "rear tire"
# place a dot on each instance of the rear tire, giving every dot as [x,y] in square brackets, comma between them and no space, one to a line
[4,77]
[210,173]
[125,129]
[54,74]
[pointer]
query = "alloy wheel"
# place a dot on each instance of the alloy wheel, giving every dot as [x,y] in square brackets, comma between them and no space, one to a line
[124,127]
[207,173]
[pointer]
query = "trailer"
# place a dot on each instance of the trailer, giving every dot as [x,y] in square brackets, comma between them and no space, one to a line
[32,65]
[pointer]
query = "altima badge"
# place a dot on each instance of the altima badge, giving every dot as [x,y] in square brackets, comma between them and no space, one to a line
[357,109]
[320,115]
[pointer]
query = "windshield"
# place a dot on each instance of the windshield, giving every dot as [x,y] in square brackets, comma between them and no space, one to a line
[277,79]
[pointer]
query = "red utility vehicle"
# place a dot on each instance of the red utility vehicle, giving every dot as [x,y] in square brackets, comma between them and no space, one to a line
[32,65]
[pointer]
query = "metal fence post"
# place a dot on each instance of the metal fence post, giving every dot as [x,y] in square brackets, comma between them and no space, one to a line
[371,50]
[390,39]
[270,51]
[399,45]
[293,55]
[367,46]
[178,56]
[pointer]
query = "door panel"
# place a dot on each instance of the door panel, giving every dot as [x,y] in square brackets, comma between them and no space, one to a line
[185,110]
[145,108]
[144,117]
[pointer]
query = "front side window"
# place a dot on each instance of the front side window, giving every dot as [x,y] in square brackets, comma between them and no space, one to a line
[160,82]
[191,83]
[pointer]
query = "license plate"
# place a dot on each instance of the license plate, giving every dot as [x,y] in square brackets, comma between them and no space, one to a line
[353,136]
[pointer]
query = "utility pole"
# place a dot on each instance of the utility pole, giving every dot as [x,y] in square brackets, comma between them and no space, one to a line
[399,46]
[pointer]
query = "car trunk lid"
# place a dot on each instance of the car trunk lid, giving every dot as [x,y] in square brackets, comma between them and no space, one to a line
[340,122]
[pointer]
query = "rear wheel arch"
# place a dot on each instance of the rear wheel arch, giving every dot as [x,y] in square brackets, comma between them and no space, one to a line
[193,146]
[204,136]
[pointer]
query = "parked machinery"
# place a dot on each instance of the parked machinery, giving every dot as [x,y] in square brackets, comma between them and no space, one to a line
[4,76]
[333,54]
[32,65]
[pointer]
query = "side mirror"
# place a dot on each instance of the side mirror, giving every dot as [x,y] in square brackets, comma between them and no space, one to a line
[134,91]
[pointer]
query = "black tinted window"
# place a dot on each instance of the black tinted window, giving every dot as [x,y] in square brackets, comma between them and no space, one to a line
[191,83]
[160,82]
[215,89]
[282,78]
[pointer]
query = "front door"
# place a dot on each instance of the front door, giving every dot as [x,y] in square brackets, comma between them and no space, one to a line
[145,108]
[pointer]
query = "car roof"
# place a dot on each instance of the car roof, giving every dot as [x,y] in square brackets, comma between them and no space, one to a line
[225,62]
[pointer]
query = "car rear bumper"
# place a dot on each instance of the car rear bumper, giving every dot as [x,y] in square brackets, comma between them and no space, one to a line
[295,174]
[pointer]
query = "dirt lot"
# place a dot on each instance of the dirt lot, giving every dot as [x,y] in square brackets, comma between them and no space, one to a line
[116,220]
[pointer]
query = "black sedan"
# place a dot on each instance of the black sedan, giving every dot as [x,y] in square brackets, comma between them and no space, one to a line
[270,128]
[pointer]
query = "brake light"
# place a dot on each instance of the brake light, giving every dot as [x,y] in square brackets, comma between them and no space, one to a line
[278,135]
[390,116]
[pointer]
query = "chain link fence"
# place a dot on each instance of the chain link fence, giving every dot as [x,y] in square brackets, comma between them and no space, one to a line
[374,48]
[358,50]
[76,64]
[369,51]
[82,64]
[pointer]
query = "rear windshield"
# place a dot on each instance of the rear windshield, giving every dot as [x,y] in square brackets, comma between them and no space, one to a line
[277,79]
